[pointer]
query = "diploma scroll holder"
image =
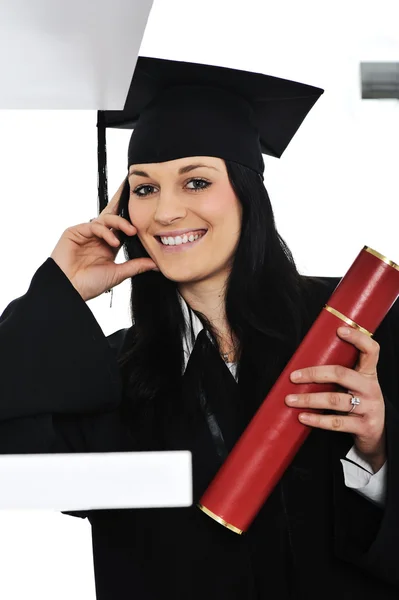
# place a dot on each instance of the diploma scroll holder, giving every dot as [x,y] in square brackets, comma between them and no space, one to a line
[273,437]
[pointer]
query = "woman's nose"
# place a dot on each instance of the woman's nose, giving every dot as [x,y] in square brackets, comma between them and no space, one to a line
[169,209]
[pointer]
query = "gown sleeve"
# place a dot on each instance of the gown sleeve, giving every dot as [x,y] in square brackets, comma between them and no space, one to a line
[367,535]
[57,367]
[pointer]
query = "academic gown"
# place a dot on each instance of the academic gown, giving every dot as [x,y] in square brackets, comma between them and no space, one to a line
[61,391]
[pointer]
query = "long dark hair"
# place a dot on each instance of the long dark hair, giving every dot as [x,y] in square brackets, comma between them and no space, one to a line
[264,303]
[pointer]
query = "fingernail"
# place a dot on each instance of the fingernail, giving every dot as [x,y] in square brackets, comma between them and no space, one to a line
[304,417]
[292,398]
[296,375]
[344,331]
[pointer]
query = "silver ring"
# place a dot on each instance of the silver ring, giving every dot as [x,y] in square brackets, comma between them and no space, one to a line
[355,401]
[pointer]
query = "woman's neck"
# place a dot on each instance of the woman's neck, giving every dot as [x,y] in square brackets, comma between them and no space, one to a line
[209,298]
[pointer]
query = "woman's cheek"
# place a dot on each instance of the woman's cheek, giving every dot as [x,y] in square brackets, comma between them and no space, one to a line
[137,216]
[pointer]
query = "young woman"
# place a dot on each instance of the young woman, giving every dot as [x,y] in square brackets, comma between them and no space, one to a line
[218,309]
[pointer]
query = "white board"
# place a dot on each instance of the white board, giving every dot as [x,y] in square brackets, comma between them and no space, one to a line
[89,481]
[69,55]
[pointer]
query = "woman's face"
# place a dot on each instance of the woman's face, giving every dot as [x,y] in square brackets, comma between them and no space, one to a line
[187,216]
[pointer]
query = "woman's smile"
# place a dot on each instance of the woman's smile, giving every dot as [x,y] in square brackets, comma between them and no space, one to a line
[179,241]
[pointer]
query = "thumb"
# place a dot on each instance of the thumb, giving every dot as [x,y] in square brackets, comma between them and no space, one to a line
[133,267]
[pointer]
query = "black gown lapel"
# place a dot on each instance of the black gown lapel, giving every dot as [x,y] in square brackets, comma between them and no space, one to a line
[205,421]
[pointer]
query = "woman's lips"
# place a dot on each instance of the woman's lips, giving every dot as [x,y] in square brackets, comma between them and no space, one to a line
[180,247]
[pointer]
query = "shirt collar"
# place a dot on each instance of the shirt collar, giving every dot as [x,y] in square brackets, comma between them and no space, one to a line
[191,320]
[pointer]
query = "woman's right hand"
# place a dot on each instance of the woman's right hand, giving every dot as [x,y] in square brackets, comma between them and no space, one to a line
[86,253]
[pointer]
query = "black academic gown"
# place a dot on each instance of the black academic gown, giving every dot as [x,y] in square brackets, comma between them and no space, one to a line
[61,391]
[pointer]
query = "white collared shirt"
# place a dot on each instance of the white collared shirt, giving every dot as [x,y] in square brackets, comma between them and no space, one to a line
[358,473]
[188,341]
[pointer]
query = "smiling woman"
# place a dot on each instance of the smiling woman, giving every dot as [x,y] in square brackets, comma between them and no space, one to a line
[188,223]
[218,308]
[233,219]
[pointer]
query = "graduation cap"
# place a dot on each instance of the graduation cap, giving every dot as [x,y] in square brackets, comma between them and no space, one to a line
[179,109]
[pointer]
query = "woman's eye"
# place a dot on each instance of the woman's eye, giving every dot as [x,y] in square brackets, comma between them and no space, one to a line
[143,190]
[198,184]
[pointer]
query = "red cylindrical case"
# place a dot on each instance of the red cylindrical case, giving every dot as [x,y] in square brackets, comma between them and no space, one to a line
[274,435]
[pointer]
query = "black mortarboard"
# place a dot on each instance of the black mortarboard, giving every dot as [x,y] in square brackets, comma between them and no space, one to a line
[180,109]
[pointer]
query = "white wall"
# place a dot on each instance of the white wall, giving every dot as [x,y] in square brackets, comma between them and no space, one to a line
[334,190]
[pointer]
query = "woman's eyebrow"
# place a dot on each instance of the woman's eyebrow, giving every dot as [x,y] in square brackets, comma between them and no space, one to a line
[183,170]
[139,173]
[189,168]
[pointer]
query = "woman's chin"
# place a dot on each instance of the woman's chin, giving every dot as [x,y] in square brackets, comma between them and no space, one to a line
[181,275]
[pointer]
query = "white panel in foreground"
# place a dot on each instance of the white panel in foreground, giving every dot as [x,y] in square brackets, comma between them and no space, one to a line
[68,482]
[77,54]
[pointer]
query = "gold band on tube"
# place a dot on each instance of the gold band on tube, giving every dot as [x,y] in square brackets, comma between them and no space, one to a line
[219,519]
[381,257]
[346,320]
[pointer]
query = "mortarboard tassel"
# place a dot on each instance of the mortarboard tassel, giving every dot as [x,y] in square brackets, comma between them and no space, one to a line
[102,181]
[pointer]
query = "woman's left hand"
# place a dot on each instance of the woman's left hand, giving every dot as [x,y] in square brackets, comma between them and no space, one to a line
[367,421]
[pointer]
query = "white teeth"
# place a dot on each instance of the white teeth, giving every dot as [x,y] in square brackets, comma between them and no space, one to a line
[180,239]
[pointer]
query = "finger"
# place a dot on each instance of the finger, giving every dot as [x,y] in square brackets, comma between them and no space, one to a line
[117,223]
[346,378]
[369,349]
[105,233]
[134,267]
[345,424]
[322,401]
[113,205]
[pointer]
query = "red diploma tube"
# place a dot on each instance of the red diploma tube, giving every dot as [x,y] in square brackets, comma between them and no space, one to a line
[274,435]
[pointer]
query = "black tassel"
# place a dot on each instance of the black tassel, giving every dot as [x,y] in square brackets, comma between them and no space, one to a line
[102,181]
